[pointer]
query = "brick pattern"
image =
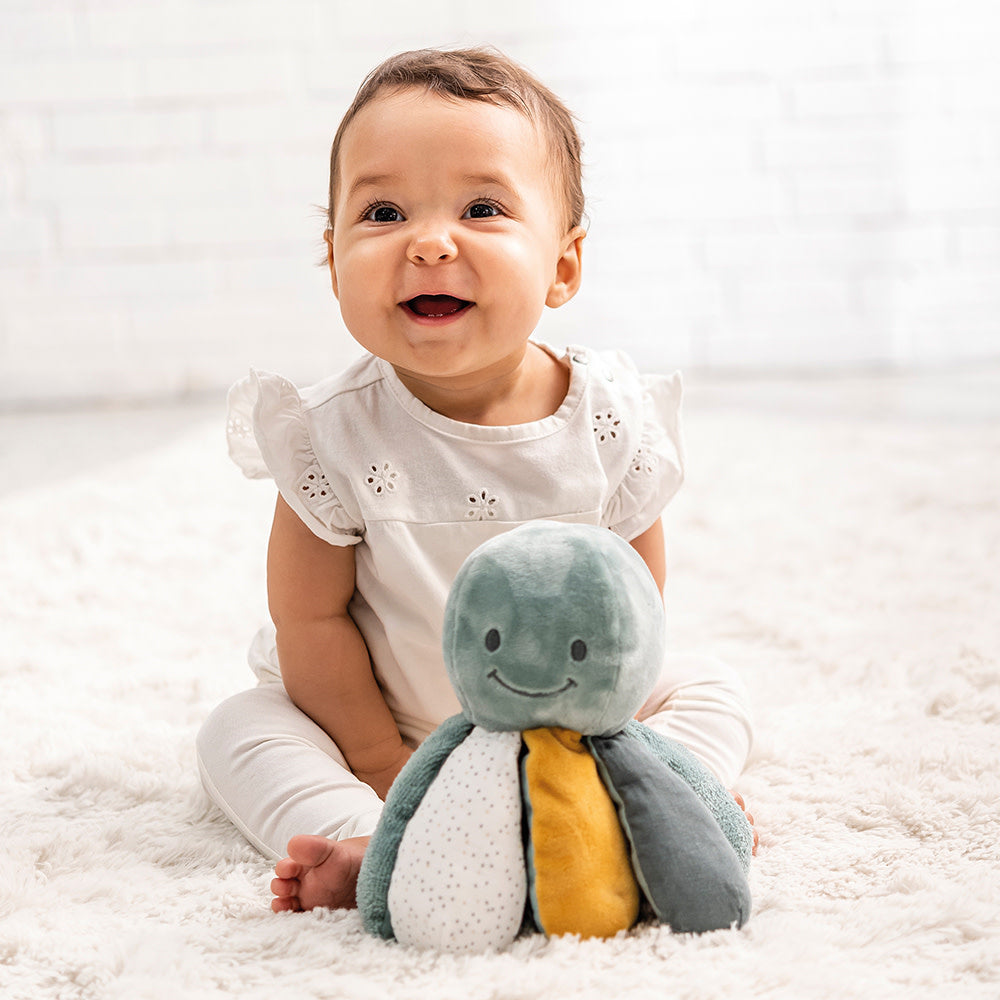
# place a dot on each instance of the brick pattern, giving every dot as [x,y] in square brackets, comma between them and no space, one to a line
[789,183]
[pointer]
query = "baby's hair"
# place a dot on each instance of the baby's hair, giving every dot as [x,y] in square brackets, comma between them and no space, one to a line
[477,74]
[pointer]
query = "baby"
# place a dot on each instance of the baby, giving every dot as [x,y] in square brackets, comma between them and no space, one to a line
[454,218]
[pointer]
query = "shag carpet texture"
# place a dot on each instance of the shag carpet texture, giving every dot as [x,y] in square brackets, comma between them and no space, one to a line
[838,541]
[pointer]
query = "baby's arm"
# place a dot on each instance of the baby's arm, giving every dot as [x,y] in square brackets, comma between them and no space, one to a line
[324,660]
[650,546]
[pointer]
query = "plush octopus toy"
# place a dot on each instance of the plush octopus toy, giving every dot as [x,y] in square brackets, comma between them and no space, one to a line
[544,806]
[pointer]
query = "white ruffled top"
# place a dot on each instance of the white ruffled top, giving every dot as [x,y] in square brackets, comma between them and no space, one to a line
[363,462]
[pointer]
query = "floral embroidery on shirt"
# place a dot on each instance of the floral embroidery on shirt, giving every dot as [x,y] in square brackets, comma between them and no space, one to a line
[313,486]
[382,479]
[607,424]
[482,508]
[643,461]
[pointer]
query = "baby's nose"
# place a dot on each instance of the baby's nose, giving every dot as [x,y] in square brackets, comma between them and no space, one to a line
[432,245]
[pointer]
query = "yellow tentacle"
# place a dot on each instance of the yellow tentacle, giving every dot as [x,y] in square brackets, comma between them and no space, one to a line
[583,881]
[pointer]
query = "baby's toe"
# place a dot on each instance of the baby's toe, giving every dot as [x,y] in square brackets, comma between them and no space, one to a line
[285,904]
[309,850]
[284,887]
[287,868]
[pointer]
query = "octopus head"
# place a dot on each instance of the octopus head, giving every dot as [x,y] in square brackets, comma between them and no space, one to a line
[553,624]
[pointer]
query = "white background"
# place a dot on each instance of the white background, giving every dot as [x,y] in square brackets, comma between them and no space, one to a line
[782,184]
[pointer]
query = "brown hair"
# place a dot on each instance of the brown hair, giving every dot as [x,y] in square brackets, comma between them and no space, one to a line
[477,74]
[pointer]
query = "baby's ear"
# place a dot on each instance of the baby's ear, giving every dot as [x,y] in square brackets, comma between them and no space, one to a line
[568,269]
[328,236]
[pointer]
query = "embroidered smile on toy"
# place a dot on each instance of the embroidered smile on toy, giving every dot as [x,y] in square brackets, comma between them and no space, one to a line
[544,805]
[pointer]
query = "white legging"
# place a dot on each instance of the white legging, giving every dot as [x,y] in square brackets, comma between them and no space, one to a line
[275,773]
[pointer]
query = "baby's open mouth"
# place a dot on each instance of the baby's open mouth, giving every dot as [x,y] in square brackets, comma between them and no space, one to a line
[436,306]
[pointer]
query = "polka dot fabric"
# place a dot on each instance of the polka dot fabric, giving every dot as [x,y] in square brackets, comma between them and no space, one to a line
[459,883]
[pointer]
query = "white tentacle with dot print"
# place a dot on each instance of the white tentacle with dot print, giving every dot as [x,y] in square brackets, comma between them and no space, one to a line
[459,883]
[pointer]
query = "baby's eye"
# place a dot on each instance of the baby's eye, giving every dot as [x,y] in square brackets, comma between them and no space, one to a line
[482,210]
[383,213]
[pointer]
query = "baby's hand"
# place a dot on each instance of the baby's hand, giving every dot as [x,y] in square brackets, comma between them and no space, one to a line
[749,815]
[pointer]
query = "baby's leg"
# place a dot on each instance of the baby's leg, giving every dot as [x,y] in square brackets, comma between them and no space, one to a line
[276,775]
[701,702]
[285,785]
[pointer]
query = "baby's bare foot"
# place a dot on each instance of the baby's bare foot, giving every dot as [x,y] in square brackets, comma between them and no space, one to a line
[318,872]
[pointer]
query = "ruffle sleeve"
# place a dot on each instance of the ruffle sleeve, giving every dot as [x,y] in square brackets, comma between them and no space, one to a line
[268,437]
[656,470]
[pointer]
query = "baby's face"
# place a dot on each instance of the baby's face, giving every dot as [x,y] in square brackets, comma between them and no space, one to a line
[448,240]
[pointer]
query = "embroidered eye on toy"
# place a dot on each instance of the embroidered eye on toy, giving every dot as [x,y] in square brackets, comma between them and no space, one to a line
[543,805]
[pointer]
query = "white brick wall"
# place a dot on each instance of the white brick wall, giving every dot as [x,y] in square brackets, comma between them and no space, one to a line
[790,183]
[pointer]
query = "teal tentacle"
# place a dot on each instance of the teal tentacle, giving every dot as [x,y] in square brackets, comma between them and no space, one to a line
[709,789]
[686,867]
[401,803]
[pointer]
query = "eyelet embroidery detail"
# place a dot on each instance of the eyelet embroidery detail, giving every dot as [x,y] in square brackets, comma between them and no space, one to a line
[607,424]
[482,508]
[313,486]
[643,462]
[382,479]
[237,427]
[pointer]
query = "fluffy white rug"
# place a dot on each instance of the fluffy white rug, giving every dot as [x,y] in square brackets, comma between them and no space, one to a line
[838,541]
